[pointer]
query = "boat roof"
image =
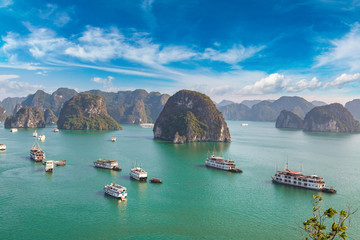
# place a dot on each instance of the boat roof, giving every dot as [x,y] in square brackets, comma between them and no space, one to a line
[299,174]
[106,160]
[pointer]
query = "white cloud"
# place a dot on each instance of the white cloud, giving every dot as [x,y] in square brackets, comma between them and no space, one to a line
[273,83]
[302,85]
[6,3]
[11,88]
[107,83]
[343,79]
[234,55]
[40,42]
[344,52]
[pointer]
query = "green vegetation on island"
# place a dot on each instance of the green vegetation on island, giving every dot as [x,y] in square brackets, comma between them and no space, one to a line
[86,112]
[190,116]
[26,117]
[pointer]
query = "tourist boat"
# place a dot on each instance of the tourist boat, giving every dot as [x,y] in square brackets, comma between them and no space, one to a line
[41,138]
[297,179]
[220,163]
[37,154]
[155,180]
[244,124]
[2,147]
[56,130]
[107,164]
[49,166]
[60,163]
[35,134]
[116,191]
[147,125]
[113,139]
[138,174]
[13,130]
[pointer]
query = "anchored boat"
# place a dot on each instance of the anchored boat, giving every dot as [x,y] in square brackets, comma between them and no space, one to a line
[113,139]
[116,191]
[107,164]
[138,174]
[35,134]
[41,138]
[49,166]
[13,130]
[2,147]
[220,163]
[147,125]
[37,154]
[56,130]
[297,179]
[155,180]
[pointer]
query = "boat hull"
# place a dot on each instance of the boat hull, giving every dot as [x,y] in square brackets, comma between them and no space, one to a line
[327,190]
[121,196]
[236,170]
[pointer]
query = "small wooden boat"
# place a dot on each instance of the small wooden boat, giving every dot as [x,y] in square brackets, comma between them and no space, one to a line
[155,180]
[117,168]
[13,130]
[60,163]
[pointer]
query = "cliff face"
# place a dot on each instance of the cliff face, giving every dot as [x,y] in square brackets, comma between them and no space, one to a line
[86,112]
[26,117]
[10,103]
[190,116]
[53,101]
[288,119]
[17,108]
[354,107]
[330,118]
[50,118]
[137,106]
[235,111]
[3,114]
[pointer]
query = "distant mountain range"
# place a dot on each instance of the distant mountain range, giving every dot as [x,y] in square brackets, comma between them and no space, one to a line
[266,110]
[124,106]
[140,106]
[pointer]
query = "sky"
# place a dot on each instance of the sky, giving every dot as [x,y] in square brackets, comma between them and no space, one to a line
[229,49]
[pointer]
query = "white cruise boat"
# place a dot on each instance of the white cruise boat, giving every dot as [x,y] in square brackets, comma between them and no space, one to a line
[220,163]
[42,138]
[138,174]
[13,130]
[116,191]
[147,125]
[37,154]
[244,124]
[35,134]
[113,139]
[49,166]
[107,164]
[2,147]
[297,179]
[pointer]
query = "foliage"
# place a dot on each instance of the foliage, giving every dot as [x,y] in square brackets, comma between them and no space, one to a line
[317,227]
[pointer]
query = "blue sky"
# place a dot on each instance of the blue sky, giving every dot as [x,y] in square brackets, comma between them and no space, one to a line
[227,49]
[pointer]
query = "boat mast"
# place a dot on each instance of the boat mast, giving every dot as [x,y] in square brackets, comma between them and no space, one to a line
[287,163]
[301,167]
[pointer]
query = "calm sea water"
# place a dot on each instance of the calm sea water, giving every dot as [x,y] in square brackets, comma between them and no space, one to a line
[193,202]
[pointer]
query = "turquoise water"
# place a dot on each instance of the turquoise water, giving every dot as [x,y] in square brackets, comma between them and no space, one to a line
[193,202]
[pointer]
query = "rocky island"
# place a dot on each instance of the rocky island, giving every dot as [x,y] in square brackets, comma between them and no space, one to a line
[288,119]
[3,114]
[86,112]
[330,118]
[26,117]
[50,117]
[190,116]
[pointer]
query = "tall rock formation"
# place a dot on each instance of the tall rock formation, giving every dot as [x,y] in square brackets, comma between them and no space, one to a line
[26,117]
[288,119]
[137,106]
[354,107]
[50,118]
[330,118]
[86,112]
[190,116]
[3,114]
[9,103]
[235,111]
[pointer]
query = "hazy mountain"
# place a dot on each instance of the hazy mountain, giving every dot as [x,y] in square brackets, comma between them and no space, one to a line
[266,110]
[354,107]
[318,103]
[251,103]
[9,103]
[224,103]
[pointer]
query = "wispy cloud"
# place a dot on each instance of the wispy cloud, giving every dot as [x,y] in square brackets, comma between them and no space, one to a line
[52,12]
[6,3]
[343,79]
[106,83]
[343,52]
[11,87]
